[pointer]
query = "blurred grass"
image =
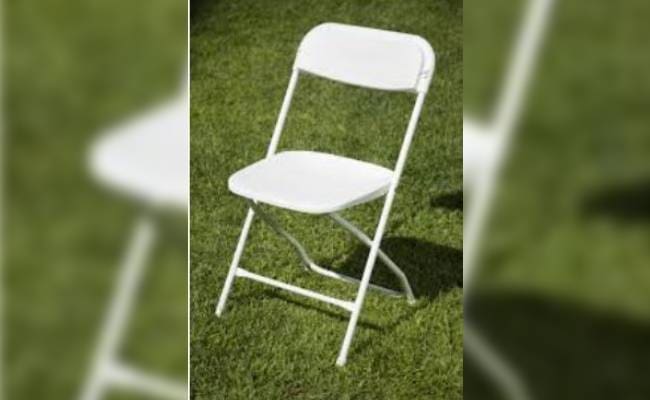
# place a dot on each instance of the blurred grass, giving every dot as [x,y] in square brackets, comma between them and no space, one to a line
[566,284]
[274,345]
[73,69]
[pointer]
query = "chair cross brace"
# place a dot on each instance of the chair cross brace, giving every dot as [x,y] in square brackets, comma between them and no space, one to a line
[309,263]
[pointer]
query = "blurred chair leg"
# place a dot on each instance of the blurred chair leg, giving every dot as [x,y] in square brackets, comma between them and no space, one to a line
[131,273]
[510,383]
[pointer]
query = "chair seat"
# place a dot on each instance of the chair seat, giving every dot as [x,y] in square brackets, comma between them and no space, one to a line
[311,182]
[147,157]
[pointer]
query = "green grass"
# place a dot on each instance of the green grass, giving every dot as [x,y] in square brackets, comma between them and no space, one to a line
[72,70]
[274,345]
[565,289]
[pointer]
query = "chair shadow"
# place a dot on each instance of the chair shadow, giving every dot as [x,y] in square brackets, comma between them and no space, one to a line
[624,202]
[197,7]
[429,267]
[560,350]
[328,311]
[452,201]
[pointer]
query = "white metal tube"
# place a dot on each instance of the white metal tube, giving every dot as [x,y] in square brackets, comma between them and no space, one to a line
[269,219]
[275,139]
[286,103]
[347,305]
[126,287]
[235,262]
[127,377]
[331,274]
[374,249]
[309,262]
[493,364]
[523,60]
[510,103]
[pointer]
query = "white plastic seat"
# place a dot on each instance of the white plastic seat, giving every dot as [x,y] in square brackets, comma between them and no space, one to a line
[147,157]
[311,182]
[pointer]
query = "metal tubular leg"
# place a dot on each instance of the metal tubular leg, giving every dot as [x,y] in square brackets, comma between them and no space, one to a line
[361,295]
[310,264]
[509,381]
[235,262]
[358,233]
[126,287]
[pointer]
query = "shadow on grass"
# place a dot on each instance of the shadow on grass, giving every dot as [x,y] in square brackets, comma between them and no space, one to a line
[198,9]
[452,201]
[430,268]
[625,202]
[323,309]
[563,351]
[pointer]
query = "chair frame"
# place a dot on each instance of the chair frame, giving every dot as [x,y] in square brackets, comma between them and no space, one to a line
[522,62]
[354,307]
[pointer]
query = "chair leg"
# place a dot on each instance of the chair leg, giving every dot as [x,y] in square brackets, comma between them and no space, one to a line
[235,262]
[510,383]
[131,273]
[363,287]
[358,304]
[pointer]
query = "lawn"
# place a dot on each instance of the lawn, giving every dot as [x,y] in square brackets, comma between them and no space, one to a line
[72,70]
[565,288]
[274,345]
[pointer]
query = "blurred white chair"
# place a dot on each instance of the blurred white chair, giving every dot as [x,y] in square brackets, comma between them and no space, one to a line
[146,158]
[485,147]
[318,183]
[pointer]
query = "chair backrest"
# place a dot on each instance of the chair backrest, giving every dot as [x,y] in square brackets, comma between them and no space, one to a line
[367,57]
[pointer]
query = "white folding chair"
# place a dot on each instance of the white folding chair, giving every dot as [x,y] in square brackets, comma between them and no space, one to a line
[319,183]
[147,159]
[485,148]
